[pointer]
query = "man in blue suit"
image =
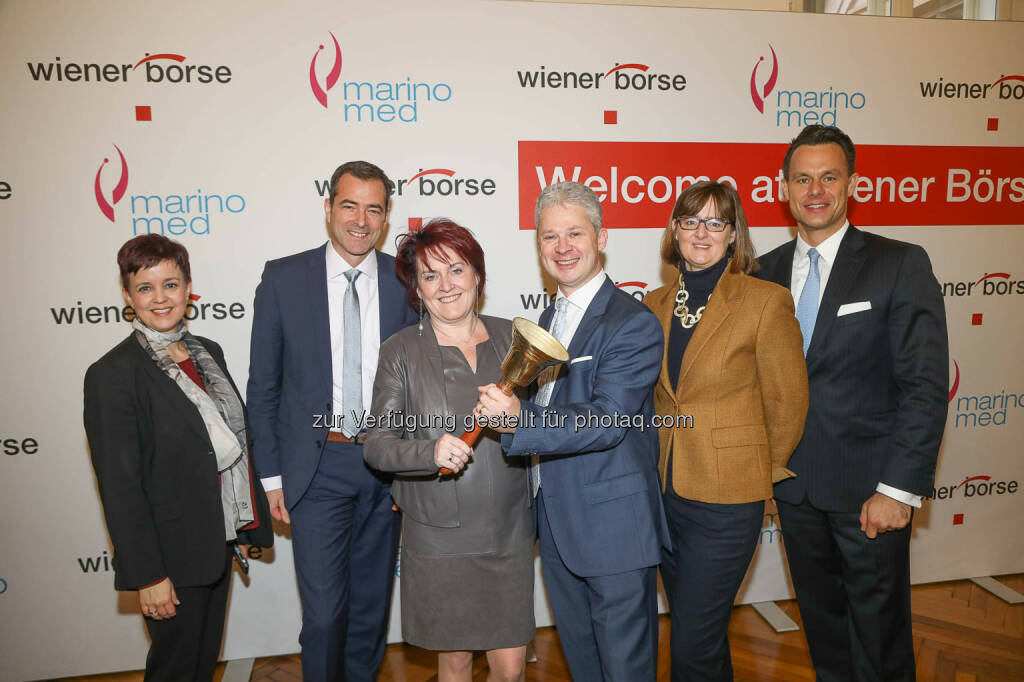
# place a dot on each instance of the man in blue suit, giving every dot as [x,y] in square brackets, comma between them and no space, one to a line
[593,468]
[319,319]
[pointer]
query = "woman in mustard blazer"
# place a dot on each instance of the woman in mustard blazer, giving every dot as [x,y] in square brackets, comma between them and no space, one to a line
[733,362]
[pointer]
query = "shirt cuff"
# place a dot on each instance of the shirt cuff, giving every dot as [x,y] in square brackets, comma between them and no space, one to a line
[274,483]
[895,493]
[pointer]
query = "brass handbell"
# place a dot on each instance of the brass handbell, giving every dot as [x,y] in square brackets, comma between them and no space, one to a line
[532,351]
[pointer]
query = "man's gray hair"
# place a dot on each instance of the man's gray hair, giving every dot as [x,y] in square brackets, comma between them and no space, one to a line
[569,192]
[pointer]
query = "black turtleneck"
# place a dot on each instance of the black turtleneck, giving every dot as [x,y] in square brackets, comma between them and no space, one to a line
[700,284]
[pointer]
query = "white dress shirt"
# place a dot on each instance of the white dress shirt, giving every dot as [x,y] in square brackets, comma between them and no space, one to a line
[579,301]
[827,252]
[369,321]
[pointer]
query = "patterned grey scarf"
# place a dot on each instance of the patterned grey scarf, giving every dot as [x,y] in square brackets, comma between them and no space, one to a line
[221,411]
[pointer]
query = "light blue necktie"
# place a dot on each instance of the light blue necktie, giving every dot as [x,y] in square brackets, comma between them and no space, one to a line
[352,358]
[807,306]
[544,396]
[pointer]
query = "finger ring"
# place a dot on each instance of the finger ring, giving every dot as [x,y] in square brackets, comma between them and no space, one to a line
[451,458]
[153,612]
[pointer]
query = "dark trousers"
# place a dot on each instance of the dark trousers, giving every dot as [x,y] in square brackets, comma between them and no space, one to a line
[186,647]
[344,538]
[712,545]
[853,592]
[608,625]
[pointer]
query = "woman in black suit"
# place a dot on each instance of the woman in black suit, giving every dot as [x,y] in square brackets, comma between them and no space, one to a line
[168,436]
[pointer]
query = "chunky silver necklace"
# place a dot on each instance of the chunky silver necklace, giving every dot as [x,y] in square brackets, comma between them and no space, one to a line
[686,319]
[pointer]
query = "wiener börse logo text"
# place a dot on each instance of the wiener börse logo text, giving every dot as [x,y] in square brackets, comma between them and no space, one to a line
[975,486]
[396,99]
[174,213]
[985,409]
[1006,87]
[196,309]
[541,300]
[797,104]
[633,77]
[165,67]
[431,182]
[989,284]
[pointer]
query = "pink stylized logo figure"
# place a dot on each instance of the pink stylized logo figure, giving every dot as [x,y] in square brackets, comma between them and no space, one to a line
[769,85]
[107,207]
[956,382]
[321,92]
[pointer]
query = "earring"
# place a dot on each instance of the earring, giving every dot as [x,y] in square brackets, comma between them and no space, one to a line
[420,327]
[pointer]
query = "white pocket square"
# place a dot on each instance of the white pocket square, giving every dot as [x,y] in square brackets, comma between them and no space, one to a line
[581,359]
[848,308]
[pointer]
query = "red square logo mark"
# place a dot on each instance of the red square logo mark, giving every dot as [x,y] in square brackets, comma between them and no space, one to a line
[415,224]
[958,519]
[611,117]
[143,114]
[976,319]
[993,124]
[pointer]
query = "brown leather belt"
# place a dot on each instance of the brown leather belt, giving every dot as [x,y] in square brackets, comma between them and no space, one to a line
[339,437]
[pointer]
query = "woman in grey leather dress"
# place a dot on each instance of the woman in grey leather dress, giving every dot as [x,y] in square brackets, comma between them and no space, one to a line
[467,548]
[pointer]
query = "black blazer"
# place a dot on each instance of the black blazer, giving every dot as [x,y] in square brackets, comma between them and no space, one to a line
[878,377]
[157,474]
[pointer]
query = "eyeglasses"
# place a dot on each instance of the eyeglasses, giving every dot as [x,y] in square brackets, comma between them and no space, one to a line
[689,222]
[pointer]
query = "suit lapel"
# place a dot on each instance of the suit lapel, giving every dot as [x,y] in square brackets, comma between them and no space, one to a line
[591,319]
[718,309]
[390,295]
[849,260]
[781,270]
[319,322]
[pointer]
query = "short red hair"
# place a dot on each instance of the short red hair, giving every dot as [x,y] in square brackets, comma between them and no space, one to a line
[148,250]
[434,238]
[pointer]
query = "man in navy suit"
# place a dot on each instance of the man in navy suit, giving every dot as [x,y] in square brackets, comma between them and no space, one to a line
[593,466]
[874,327]
[319,319]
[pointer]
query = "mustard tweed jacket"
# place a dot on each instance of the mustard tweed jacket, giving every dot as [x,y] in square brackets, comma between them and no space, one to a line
[744,381]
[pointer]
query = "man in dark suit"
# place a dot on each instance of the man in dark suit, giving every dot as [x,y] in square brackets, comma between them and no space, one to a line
[874,328]
[594,468]
[319,319]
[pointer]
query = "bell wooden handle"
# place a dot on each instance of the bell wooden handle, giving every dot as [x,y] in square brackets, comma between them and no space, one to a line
[473,435]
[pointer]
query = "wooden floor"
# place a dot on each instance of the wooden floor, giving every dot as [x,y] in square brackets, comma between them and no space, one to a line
[961,634]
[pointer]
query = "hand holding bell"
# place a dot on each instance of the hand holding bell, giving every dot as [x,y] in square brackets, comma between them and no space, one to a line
[532,351]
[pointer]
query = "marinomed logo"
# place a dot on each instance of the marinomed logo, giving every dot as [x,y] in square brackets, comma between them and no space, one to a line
[758,96]
[798,107]
[107,207]
[770,531]
[173,214]
[982,409]
[631,77]
[166,67]
[321,92]
[1005,87]
[373,101]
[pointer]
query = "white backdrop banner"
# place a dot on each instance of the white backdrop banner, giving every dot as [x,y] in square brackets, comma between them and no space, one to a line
[218,124]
